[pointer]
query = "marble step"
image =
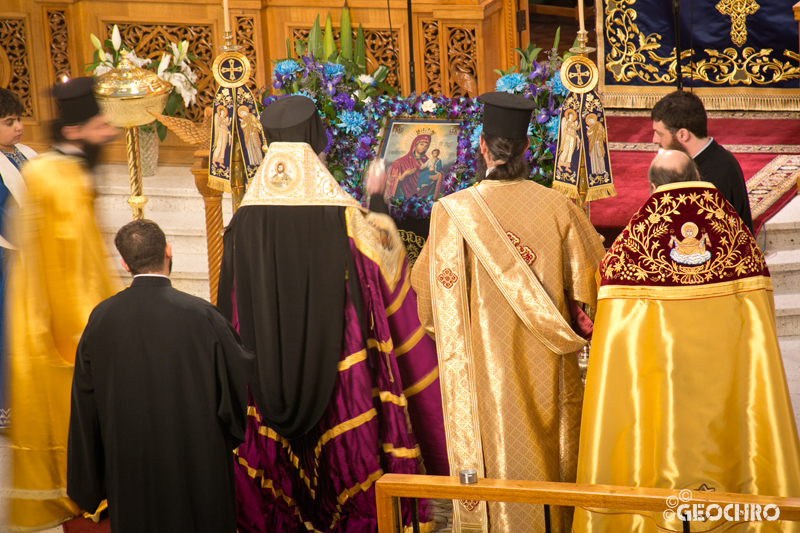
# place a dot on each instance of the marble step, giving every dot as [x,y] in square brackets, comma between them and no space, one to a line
[783,230]
[784,267]
[787,314]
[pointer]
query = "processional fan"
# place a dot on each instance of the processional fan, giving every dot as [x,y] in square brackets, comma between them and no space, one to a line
[582,168]
[128,95]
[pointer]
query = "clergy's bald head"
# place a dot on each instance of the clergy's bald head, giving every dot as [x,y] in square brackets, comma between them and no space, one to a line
[671,166]
[144,248]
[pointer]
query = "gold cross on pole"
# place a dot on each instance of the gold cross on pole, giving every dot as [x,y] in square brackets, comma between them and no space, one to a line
[738,11]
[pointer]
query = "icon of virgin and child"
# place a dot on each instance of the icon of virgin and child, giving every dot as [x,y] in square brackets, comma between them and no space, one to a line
[419,172]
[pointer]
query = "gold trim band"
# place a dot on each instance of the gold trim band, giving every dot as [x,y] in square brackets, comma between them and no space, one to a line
[685,292]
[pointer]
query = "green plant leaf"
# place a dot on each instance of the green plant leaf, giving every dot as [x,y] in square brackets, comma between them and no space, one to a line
[346,33]
[558,37]
[299,47]
[161,130]
[315,40]
[328,46]
[534,54]
[388,89]
[360,53]
[288,48]
[380,73]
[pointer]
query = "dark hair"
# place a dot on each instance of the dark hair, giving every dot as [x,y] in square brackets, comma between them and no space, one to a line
[10,104]
[659,175]
[512,151]
[436,150]
[141,244]
[682,109]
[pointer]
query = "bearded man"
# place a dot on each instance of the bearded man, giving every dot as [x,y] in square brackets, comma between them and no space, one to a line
[60,274]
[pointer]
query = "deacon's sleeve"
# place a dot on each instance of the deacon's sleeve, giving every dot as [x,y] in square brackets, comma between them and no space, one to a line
[421,283]
[85,453]
[234,366]
[582,251]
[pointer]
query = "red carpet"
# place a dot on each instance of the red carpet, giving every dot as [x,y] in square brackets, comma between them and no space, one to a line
[85,525]
[629,168]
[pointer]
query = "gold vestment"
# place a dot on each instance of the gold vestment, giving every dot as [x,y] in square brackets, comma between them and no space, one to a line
[686,387]
[60,274]
[492,284]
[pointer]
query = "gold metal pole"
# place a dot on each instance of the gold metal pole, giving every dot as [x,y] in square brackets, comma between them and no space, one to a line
[237,172]
[137,200]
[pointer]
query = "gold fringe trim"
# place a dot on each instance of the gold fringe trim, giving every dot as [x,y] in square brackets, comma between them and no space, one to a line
[568,190]
[219,184]
[722,102]
[598,193]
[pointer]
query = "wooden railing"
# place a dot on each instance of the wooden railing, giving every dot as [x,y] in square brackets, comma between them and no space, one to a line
[393,486]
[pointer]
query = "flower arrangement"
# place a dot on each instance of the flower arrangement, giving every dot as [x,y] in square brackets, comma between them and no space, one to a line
[356,106]
[173,68]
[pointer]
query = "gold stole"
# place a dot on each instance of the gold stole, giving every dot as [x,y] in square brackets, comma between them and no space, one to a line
[468,219]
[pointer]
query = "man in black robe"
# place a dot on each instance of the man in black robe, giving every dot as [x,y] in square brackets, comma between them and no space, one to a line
[159,401]
[680,123]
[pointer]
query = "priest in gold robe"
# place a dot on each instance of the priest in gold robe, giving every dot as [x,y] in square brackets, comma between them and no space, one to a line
[686,388]
[503,265]
[59,275]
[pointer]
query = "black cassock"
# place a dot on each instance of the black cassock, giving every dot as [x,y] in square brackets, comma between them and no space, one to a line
[159,401]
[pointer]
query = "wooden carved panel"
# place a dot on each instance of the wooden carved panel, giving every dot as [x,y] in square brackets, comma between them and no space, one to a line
[246,38]
[380,50]
[432,57]
[151,40]
[59,39]
[15,75]
[462,56]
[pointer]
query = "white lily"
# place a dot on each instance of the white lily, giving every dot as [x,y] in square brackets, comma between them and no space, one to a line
[95,41]
[176,52]
[101,55]
[163,65]
[101,69]
[428,106]
[138,61]
[116,39]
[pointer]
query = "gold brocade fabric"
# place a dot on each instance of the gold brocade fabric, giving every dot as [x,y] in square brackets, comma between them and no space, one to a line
[686,386]
[60,274]
[292,174]
[685,393]
[524,398]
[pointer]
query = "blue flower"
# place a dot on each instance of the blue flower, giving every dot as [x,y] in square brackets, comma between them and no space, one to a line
[351,122]
[530,130]
[474,138]
[556,86]
[284,68]
[552,128]
[307,95]
[332,70]
[511,83]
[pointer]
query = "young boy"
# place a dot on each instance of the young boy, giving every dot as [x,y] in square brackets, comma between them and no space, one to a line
[12,156]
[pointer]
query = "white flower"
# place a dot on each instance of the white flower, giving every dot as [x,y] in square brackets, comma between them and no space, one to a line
[365,79]
[182,85]
[102,69]
[95,41]
[101,55]
[116,39]
[163,65]
[368,99]
[138,61]
[428,106]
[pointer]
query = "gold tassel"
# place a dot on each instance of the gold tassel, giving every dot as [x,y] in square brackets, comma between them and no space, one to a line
[219,184]
[717,102]
[600,192]
[567,189]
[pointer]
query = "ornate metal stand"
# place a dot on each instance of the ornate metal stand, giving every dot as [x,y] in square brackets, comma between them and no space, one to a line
[137,200]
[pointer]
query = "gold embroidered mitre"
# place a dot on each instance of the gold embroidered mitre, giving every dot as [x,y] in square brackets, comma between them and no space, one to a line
[292,174]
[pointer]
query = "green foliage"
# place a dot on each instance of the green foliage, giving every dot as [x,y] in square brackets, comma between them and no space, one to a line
[315,41]
[346,33]
[360,52]
[328,46]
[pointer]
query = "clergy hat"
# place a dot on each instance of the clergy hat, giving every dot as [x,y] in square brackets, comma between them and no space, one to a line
[506,115]
[294,119]
[76,100]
